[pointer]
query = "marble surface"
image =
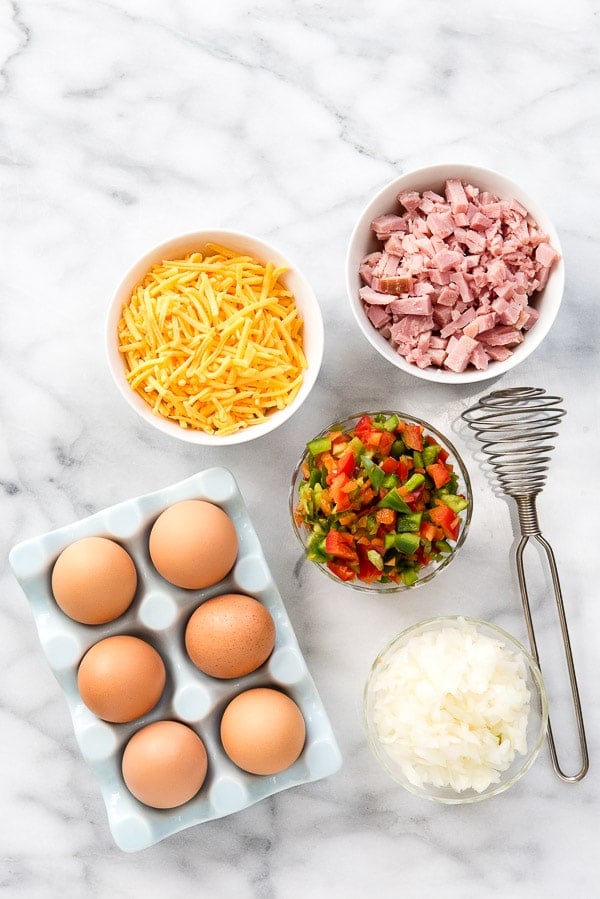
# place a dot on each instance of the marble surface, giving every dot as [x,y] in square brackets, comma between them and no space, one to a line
[123,123]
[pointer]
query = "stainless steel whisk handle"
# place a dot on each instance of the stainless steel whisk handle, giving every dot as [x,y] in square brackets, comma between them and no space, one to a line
[515,427]
[529,529]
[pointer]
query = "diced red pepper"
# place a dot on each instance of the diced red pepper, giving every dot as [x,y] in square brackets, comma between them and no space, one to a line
[443,516]
[341,545]
[422,557]
[341,570]
[386,516]
[335,488]
[389,465]
[346,463]
[413,437]
[439,473]
[363,426]
[367,572]
[430,531]
[404,468]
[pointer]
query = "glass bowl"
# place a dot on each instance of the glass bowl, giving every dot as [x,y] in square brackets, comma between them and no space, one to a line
[458,758]
[427,571]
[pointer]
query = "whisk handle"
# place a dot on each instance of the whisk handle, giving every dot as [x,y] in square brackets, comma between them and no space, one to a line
[533,531]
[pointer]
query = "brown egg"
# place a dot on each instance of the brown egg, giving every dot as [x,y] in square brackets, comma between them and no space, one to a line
[230,635]
[193,544]
[121,678]
[164,764]
[263,731]
[94,580]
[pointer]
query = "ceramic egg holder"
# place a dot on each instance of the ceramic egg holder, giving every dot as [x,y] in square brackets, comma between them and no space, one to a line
[159,614]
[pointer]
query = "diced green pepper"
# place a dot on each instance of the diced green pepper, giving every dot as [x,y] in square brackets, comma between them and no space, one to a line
[319,445]
[390,480]
[393,500]
[375,559]
[407,543]
[409,522]
[430,453]
[315,549]
[315,477]
[414,481]
[357,447]
[456,503]
[372,524]
[389,540]
[410,576]
[391,423]
[306,499]
[375,473]
[443,546]
[418,459]
[398,448]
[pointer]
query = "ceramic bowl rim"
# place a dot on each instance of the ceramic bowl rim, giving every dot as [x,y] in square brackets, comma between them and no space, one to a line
[307,302]
[434,176]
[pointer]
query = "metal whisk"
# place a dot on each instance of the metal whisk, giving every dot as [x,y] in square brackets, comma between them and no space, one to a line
[515,427]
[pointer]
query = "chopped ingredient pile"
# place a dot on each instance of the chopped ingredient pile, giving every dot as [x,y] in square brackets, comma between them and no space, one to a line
[213,342]
[380,501]
[451,707]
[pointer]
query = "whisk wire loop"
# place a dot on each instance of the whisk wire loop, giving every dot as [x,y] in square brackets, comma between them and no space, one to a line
[514,427]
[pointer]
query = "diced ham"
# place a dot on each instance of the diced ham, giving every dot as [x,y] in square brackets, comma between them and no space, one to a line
[392,284]
[459,353]
[447,259]
[458,323]
[394,245]
[370,296]
[387,265]
[501,335]
[387,224]
[437,357]
[546,255]
[479,358]
[408,328]
[451,286]
[412,306]
[448,296]
[378,316]
[441,224]
[480,323]
[410,199]
[478,221]
[456,196]
[498,353]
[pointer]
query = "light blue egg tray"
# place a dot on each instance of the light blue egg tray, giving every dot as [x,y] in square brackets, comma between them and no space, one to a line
[159,614]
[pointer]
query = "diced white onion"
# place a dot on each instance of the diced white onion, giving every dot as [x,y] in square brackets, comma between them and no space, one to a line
[450,707]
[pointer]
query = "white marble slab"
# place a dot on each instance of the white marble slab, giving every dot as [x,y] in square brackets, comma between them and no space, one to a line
[123,123]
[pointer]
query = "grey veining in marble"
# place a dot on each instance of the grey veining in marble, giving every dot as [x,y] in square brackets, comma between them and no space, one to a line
[123,123]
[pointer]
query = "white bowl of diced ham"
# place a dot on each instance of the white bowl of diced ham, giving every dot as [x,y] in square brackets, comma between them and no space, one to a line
[454,273]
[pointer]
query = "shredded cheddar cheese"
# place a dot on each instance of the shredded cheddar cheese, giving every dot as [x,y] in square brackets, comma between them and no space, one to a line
[213,342]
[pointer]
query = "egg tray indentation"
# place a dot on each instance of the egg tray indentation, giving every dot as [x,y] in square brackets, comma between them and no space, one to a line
[158,614]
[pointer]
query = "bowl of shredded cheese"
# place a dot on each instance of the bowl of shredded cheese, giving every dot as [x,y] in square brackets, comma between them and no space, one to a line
[214,337]
[455,709]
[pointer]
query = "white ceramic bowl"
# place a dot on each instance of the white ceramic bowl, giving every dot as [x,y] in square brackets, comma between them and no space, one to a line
[294,281]
[400,768]
[363,241]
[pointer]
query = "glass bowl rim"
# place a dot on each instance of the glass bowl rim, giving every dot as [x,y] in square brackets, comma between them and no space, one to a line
[541,695]
[465,521]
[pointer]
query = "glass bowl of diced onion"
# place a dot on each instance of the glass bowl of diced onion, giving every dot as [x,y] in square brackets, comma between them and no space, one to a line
[400,568]
[214,337]
[455,709]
